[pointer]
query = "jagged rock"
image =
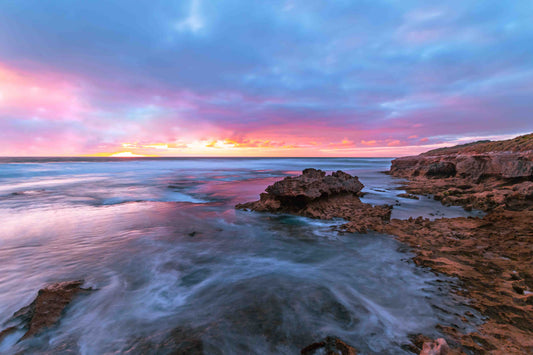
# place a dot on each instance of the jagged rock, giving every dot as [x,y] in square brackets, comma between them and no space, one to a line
[313,184]
[317,195]
[294,194]
[46,310]
[329,346]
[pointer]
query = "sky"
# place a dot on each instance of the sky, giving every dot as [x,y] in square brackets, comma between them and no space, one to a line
[261,78]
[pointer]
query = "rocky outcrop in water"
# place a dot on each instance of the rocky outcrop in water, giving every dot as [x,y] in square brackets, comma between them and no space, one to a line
[45,311]
[296,194]
[317,195]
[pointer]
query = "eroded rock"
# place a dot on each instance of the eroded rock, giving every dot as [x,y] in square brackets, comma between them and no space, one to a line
[473,175]
[504,160]
[317,195]
[294,194]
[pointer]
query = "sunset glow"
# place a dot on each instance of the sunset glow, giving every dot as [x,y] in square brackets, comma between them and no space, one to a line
[328,80]
[126,155]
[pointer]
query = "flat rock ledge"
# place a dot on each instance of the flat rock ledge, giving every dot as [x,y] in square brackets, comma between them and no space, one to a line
[45,311]
[317,195]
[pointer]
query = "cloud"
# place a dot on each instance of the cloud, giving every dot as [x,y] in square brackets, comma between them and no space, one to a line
[394,143]
[186,74]
[194,21]
[369,142]
[40,95]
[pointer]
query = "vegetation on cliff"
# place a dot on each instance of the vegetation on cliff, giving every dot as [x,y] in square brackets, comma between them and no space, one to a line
[519,144]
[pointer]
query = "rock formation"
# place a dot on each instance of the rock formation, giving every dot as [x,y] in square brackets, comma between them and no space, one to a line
[295,194]
[490,255]
[45,311]
[317,195]
[512,159]
[472,175]
[472,167]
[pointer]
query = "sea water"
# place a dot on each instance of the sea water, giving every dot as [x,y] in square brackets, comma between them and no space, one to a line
[169,257]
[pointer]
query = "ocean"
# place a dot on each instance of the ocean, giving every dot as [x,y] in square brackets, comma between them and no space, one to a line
[168,257]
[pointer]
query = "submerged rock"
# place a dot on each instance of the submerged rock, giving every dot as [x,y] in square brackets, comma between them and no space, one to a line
[329,346]
[45,311]
[317,195]
[181,340]
[411,196]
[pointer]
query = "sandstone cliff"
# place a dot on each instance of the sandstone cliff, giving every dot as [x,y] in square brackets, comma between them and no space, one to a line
[510,159]
[472,176]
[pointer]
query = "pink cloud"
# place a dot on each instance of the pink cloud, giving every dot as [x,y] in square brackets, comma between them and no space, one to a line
[369,142]
[394,143]
[44,95]
[47,113]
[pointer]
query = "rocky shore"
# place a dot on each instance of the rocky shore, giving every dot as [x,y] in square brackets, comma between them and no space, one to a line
[491,256]
[477,175]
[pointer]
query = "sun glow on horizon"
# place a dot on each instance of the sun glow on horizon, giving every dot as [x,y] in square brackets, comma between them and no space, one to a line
[218,147]
[127,155]
[121,155]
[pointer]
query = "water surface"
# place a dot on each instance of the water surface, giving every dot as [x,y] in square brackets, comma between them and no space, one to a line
[172,260]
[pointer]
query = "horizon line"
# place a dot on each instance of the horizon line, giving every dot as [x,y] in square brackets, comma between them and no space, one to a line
[193,157]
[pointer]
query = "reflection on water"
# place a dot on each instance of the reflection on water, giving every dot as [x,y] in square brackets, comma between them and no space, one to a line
[175,264]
